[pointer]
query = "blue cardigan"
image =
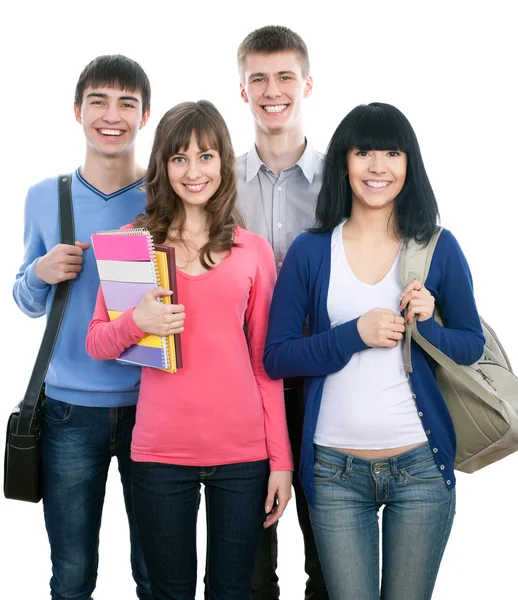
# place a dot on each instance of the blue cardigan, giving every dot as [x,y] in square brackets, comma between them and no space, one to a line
[301,293]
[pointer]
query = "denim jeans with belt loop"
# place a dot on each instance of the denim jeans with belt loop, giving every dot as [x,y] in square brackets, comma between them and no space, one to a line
[418,511]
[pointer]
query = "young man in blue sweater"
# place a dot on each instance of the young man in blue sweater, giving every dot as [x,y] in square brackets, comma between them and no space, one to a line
[89,409]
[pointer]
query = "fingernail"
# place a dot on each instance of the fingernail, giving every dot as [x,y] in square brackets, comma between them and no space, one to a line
[268,508]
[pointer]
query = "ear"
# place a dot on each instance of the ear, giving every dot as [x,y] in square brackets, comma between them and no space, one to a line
[308,88]
[77,113]
[243,93]
[144,119]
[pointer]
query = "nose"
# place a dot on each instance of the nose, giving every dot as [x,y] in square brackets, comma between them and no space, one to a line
[112,113]
[193,170]
[377,163]
[272,91]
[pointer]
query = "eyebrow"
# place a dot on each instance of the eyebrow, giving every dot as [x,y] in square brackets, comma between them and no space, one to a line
[99,95]
[278,73]
[182,152]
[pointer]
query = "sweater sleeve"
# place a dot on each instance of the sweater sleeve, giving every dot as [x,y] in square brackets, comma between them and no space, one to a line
[287,353]
[108,339]
[276,429]
[461,338]
[30,293]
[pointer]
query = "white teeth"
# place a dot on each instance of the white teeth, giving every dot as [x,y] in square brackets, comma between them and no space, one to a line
[195,188]
[114,132]
[275,109]
[377,184]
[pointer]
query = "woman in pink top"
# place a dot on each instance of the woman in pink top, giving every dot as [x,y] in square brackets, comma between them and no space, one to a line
[220,419]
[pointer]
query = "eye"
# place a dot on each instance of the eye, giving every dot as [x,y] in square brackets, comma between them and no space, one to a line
[127,105]
[97,102]
[206,156]
[177,159]
[258,80]
[362,153]
[285,78]
[394,153]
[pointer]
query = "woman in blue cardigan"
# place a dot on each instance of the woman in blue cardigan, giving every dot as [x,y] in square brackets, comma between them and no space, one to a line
[374,436]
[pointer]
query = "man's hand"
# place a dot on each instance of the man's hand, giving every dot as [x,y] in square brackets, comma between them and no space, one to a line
[158,318]
[279,486]
[61,263]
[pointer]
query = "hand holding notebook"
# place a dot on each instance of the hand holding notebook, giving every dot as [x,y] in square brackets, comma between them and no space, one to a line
[159,318]
[131,268]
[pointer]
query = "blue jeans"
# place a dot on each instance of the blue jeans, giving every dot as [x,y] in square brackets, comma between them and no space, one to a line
[78,443]
[166,499]
[417,518]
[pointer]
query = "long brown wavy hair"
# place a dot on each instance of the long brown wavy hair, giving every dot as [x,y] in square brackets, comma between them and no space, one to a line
[164,207]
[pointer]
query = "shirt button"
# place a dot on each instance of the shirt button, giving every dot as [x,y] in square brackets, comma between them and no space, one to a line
[420,413]
[279,189]
[441,467]
[435,450]
[279,225]
[428,432]
[279,264]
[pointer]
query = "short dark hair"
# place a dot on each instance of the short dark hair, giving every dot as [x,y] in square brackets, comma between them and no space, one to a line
[114,71]
[377,126]
[270,40]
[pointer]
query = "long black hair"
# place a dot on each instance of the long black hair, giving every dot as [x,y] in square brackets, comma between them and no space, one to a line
[377,126]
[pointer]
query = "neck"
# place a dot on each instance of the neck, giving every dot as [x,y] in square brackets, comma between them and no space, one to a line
[109,174]
[281,150]
[197,221]
[366,224]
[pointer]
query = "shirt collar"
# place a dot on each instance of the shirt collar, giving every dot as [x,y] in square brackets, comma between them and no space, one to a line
[306,162]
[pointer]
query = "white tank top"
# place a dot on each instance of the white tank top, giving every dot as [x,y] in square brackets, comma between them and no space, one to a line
[368,405]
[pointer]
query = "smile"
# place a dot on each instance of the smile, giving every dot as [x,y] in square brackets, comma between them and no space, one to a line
[195,187]
[377,184]
[275,108]
[111,132]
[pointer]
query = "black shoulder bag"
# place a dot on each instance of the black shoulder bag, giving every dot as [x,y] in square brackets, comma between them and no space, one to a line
[22,461]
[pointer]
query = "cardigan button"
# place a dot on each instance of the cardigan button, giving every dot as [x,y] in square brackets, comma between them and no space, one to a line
[428,432]
[435,450]
[448,482]
[441,467]
[420,413]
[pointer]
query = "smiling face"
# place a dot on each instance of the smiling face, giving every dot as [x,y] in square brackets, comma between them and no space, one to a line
[195,174]
[376,176]
[111,119]
[274,86]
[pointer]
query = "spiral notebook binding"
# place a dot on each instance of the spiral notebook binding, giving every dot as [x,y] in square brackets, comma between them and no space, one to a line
[166,362]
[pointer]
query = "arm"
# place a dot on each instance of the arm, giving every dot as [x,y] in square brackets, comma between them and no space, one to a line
[108,339]
[461,338]
[287,353]
[276,430]
[30,292]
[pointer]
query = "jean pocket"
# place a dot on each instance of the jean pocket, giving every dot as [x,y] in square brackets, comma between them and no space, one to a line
[56,411]
[424,472]
[325,472]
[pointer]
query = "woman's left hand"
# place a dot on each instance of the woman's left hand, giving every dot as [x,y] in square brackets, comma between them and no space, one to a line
[419,301]
[279,486]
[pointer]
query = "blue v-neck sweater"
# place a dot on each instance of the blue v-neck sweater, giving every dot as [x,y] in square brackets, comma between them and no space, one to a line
[301,293]
[73,376]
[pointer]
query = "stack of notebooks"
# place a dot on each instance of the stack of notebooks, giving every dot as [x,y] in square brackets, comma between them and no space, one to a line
[129,266]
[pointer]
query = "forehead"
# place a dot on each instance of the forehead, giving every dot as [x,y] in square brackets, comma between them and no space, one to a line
[272,63]
[112,93]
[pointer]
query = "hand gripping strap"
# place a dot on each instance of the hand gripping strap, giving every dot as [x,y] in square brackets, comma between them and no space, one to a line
[27,422]
[414,264]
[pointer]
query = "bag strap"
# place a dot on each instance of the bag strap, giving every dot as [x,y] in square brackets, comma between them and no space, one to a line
[415,263]
[27,419]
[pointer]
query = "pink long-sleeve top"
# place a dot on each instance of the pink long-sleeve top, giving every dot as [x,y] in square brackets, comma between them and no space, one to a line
[220,407]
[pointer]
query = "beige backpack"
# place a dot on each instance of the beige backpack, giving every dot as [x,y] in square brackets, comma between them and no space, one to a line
[482,398]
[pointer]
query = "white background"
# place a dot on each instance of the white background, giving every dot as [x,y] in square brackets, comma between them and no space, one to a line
[449,66]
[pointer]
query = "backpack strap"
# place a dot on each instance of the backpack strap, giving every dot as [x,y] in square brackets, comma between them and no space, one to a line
[414,264]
